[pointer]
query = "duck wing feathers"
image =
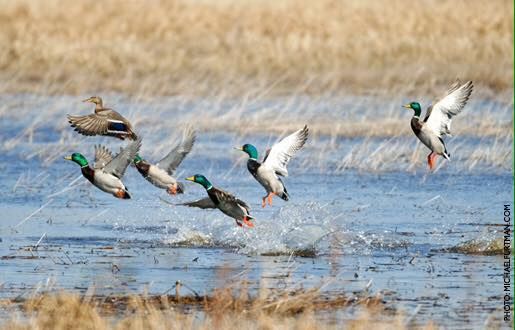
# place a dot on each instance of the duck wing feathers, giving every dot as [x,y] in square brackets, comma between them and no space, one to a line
[119,163]
[171,161]
[102,156]
[102,122]
[281,153]
[204,203]
[218,195]
[439,116]
[89,125]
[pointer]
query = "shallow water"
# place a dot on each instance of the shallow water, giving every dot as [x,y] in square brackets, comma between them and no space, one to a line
[347,230]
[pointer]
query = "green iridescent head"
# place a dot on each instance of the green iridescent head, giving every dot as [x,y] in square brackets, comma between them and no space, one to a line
[415,106]
[250,150]
[200,179]
[78,158]
[137,159]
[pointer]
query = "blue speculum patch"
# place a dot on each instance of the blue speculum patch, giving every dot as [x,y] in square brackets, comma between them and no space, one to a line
[117,126]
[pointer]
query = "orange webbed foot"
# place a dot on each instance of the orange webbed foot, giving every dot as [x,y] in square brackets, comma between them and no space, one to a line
[431,160]
[172,190]
[270,195]
[247,222]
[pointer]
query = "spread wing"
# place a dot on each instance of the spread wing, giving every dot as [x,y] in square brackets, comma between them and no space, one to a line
[118,164]
[204,203]
[171,161]
[89,125]
[439,116]
[281,153]
[102,156]
[102,122]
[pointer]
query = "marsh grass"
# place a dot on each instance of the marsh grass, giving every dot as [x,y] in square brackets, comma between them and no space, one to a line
[346,133]
[266,47]
[227,308]
[262,68]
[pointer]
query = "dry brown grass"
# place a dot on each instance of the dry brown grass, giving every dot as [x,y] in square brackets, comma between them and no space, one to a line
[213,47]
[225,309]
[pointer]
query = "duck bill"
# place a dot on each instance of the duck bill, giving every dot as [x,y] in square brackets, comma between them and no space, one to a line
[191,178]
[68,157]
[407,106]
[87,100]
[238,148]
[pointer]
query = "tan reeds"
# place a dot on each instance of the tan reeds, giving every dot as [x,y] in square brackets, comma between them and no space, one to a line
[229,47]
[225,309]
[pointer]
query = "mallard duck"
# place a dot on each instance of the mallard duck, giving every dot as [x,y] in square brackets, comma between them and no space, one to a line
[104,121]
[274,163]
[222,200]
[161,174]
[437,122]
[107,171]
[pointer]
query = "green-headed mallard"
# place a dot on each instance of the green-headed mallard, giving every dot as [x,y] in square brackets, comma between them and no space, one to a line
[161,174]
[224,201]
[107,171]
[437,122]
[274,164]
[104,121]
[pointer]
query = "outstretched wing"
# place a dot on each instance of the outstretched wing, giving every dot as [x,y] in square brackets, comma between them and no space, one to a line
[204,203]
[102,156]
[439,116]
[118,164]
[90,124]
[281,153]
[102,122]
[171,161]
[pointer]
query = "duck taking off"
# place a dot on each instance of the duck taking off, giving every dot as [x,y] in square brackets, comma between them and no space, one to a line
[161,174]
[107,172]
[437,122]
[222,200]
[274,164]
[104,121]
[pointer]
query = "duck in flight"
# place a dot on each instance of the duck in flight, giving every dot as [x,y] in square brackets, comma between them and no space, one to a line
[107,171]
[268,172]
[103,121]
[437,122]
[162,174]
[222,200]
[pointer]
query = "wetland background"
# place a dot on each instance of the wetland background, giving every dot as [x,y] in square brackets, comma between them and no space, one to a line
[366,220]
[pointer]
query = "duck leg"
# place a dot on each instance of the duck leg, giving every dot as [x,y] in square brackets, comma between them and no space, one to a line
[431,160]
[263,203]
[270,195]
[172,190]
[247,222]
[120,194]
[239,223]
